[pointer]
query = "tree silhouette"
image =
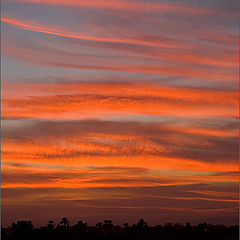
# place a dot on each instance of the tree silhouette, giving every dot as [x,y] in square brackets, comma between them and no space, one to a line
[22,229]
[125,225]
[64,222]
[99,225]
[141,223]
[106,230]
[51,225]
[107,226]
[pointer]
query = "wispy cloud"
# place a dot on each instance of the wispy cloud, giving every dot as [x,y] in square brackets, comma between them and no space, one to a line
[120,108]
[142,6]
[85,98]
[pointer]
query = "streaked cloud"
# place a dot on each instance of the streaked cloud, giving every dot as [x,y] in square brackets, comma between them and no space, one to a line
[126,203]
[120,109]
[140,6]
[83,100]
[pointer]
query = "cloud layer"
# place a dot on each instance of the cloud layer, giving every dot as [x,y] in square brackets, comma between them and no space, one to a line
[116,108]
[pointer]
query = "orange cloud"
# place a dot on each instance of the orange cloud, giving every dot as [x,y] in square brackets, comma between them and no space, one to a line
[160,7]
[81,99]
[92,63]
[95,147]
[100,177]
[36,27]
[107,157]
[180,49]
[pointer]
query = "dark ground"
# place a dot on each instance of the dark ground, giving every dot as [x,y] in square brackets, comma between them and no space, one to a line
[106,230]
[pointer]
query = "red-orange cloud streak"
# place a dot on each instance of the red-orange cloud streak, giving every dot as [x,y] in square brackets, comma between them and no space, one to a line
[160,7]
[84,98]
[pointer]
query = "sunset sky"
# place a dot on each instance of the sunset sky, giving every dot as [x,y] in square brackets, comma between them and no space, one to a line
[120,109]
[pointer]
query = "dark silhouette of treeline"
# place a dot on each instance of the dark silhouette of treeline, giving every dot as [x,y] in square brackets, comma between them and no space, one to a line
[106,230]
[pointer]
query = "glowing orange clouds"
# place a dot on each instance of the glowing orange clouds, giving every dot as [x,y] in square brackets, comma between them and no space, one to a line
[82,98]
[160,7]
[114,176]
[120,109]
[177,51]
[50,30]
[102,143]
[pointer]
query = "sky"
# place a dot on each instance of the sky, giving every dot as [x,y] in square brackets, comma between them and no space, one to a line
[120,109]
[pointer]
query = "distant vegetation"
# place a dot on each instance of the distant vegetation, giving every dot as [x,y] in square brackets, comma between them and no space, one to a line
[24,230]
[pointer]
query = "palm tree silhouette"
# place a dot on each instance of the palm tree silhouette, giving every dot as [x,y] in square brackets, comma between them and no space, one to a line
[141,223]
[51,224]
[64,222]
